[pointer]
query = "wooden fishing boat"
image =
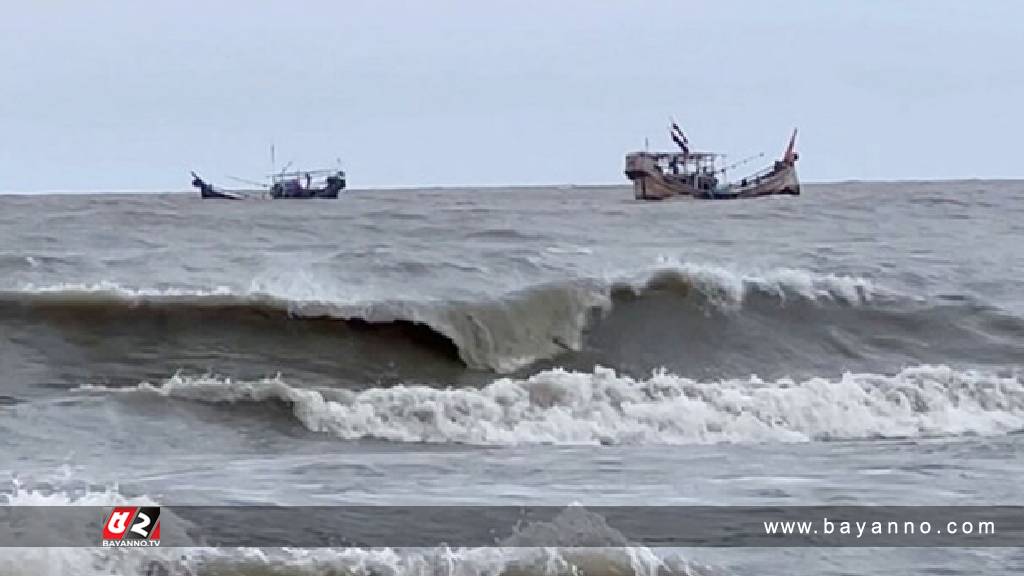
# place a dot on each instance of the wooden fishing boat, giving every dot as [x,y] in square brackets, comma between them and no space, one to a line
[661,175]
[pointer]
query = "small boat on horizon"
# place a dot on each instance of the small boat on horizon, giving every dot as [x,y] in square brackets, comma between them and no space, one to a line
[299,184]
[305,184]
[661,175]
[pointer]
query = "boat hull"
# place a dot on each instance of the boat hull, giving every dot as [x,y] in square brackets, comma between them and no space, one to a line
[305,194]
[218,195]
[208,191]
[659,188]
[782,180]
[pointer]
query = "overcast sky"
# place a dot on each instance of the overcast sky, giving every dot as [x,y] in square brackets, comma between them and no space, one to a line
[129,95]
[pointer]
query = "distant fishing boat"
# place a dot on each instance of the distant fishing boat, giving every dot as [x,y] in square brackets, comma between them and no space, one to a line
[661,175]
[284,185]
[302,184]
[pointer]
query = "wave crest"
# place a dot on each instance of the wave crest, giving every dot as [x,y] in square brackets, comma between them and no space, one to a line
[727,287]
[502,334]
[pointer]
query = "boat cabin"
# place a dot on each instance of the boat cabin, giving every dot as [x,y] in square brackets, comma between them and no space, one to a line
[307,184]
[695,169]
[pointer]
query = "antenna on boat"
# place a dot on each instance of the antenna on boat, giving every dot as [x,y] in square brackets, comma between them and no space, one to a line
[273,163]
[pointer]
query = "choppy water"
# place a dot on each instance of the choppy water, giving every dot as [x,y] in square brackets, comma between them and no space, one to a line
[859,344]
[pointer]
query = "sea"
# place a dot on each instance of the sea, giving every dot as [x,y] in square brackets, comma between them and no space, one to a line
[860,344]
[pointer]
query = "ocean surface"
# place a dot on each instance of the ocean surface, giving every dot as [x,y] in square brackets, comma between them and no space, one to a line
[859,344]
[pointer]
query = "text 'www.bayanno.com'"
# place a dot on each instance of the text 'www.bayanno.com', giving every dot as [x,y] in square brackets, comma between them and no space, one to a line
[863,528]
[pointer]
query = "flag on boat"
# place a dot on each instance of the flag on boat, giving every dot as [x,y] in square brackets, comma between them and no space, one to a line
[679,138]
[681,143]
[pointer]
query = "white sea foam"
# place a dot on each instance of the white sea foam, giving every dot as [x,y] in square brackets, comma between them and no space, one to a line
[20,495]
[602,407]
[730,286]
[114,291]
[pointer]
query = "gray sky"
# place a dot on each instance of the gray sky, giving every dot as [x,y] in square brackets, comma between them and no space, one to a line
[130,95]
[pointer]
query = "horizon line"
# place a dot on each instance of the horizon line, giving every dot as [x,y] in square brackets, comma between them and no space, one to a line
[402,187]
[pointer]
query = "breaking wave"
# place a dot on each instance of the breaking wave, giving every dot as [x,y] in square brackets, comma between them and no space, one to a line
[603,407]
[502,334]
